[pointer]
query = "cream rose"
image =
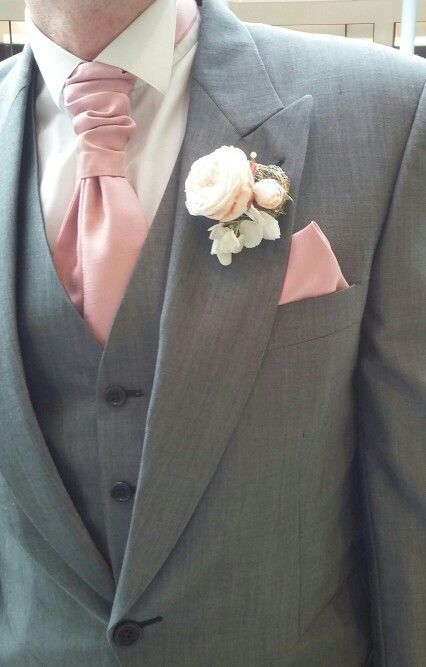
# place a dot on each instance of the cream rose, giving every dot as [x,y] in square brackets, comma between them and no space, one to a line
[268,193]
[220,185]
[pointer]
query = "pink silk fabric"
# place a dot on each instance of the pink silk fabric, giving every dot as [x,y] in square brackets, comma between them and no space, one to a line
[312,269]
[104,228]
[186,13]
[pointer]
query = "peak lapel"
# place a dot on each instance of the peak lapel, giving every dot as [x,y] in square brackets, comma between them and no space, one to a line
[25,462]
[216,320]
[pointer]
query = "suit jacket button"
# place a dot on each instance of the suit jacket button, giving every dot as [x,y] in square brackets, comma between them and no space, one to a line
[115,395]
[126,633]
[122,491]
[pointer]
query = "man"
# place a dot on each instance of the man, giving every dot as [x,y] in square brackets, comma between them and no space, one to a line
[194,473]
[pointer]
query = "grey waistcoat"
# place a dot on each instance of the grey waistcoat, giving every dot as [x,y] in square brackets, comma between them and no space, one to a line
[68,371]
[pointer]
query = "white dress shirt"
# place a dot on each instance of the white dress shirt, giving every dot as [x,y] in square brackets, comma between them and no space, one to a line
[159,108]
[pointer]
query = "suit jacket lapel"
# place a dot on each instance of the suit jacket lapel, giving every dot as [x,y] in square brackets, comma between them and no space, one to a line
[216,320]
[25,461]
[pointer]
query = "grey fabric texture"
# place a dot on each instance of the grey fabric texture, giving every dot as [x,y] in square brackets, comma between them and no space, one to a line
[279,516]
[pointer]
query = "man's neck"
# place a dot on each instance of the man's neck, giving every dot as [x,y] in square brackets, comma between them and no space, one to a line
[81,27]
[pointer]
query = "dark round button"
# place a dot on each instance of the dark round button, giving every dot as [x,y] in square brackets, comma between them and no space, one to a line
[126,633]
[122,491]
[115,395]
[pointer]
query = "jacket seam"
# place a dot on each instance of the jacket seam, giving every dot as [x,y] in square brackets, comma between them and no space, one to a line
[308,340]
[375,560]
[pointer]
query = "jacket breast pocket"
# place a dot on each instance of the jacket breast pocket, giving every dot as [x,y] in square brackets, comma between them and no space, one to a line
[308,319]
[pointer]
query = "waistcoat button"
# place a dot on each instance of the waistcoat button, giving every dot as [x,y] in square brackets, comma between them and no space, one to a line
[122,491]
[126,633]
[115,396]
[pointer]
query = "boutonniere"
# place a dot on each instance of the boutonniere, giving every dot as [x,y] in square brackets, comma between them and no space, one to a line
[245,197]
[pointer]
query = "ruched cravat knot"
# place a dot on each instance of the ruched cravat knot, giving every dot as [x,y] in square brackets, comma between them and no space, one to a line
[104,227]
[97,96]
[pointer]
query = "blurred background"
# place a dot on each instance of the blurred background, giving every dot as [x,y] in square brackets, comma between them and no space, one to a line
[399,24]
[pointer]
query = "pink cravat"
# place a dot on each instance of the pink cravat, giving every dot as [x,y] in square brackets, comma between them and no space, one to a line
[104,227]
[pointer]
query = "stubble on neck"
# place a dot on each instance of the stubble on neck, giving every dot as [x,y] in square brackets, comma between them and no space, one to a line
[84,27]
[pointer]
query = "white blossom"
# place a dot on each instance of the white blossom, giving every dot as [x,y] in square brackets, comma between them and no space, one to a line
[225,243]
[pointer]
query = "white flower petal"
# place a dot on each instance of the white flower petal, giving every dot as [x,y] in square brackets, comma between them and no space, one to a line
[215,247]
[271,230]
[224,258]
[252,233]
[269,224]
[254,214]
[229,242]
[240,247]
[265,217]
[217,231]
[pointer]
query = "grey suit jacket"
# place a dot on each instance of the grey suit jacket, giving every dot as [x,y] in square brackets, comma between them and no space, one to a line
[280,512]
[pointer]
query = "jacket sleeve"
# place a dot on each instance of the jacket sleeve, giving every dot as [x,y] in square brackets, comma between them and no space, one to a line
[391,416]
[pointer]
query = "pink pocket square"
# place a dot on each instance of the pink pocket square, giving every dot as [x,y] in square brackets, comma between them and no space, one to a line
[312,268]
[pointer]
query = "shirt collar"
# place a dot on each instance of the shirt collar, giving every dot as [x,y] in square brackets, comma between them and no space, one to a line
[145,48]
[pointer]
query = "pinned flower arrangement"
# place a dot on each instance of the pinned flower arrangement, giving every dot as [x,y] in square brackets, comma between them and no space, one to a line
[245,197]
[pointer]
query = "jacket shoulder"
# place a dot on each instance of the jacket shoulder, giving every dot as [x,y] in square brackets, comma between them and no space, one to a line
[291,56]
